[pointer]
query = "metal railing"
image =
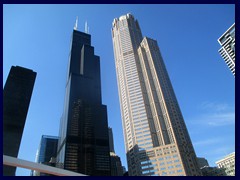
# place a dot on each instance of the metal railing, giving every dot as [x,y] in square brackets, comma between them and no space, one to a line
[12,161]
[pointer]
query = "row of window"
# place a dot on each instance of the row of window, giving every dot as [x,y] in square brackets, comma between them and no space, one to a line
[135,94]
[149,166]
[163,173]
[144,144]
[143,136]
[144,140]
[141,124]
[140,120]
[146,148]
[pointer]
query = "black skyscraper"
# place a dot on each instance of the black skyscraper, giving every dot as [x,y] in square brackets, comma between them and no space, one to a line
[16,98]
[84,143]
[111,143]
[116,164]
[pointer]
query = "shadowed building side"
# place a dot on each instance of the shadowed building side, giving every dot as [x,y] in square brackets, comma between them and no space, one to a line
[116,164]
[84,143]
[17,94]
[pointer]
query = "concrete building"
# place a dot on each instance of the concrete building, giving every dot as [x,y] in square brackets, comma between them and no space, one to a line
[157,142]
[17,94]
[228,163]
[83,135]
[227,50]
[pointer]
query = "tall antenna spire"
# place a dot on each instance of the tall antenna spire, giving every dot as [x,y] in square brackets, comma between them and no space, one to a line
[86,27]
[76,23]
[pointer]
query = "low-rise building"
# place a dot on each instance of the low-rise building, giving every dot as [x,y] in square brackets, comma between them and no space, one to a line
[228,163]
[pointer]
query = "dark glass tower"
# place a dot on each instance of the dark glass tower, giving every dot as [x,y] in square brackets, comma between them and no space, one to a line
[84,142]
[16,99]
[116,164]
[111,143]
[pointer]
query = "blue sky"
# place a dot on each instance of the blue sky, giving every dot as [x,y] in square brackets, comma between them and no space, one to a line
[38,37]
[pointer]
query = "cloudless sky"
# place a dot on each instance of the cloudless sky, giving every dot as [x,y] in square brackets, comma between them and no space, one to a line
[38,37]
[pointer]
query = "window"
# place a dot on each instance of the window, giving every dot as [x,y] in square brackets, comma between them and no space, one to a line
[153,170]
[167,157]
[161,164]
[144,162]
[145,167]
[160,159]
[164,173]
[145,172]
[178,165]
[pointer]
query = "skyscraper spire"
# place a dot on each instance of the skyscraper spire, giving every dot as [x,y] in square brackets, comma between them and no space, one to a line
[76,23]
[86,27]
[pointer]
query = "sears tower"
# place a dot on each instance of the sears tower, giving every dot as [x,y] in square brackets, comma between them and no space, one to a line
[84,144]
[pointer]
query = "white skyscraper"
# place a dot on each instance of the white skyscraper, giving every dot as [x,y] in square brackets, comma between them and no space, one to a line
[156,139]
[227,51]
[228,163]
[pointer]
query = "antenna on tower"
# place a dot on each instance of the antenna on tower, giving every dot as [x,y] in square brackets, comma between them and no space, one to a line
[76,24]
[86,27]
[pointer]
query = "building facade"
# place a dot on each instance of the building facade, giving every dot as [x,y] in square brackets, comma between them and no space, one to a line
[227,50]
[228,163]
[46,152]
[213,171]
[116,164]
[157,142]
[84,143]
[111,143]
[202,162]
[17,94]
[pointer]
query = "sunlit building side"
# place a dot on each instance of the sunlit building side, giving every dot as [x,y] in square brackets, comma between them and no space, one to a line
[17,95]
[228,163]
[157,142]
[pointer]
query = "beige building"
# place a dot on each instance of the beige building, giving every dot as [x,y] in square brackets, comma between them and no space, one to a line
[157,142]
[228,163]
